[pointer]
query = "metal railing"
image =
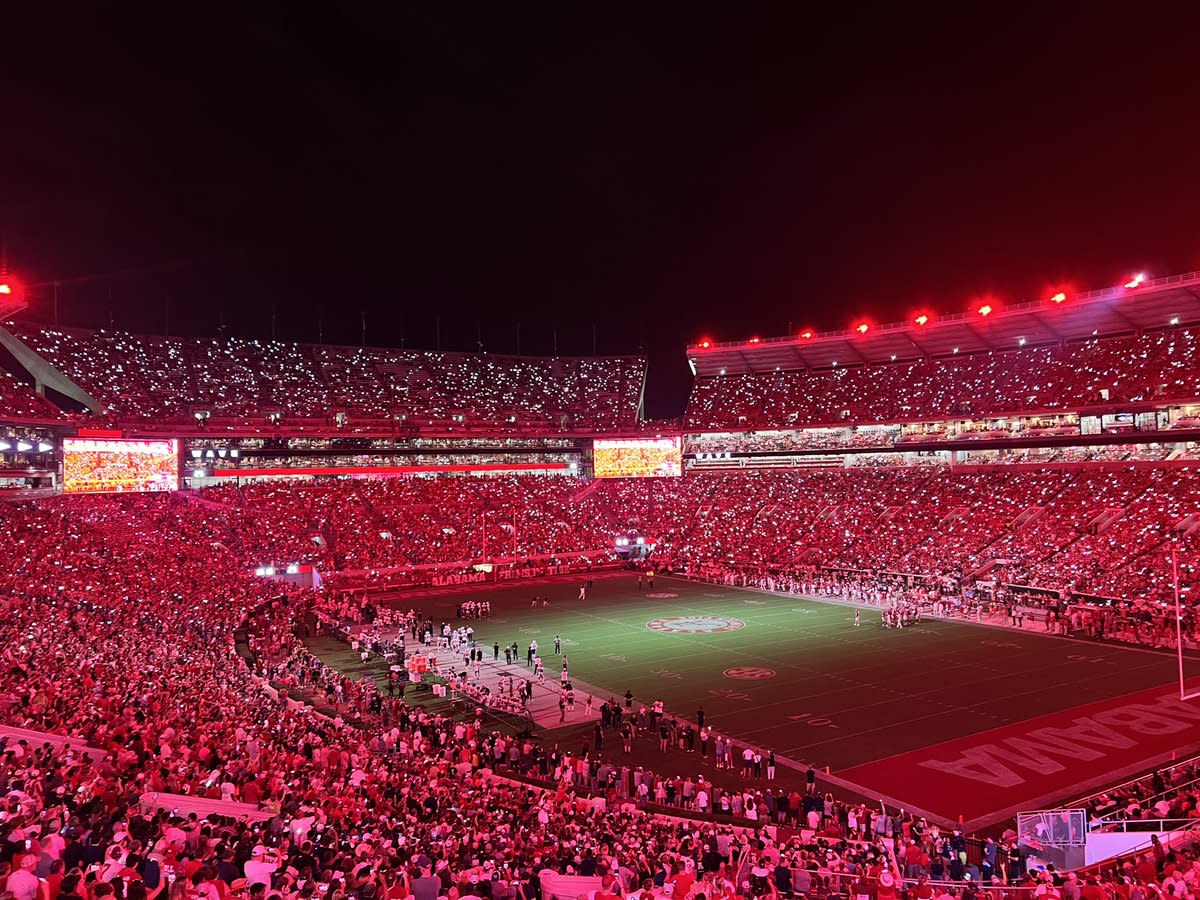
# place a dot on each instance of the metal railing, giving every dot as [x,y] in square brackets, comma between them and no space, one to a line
[1145,801]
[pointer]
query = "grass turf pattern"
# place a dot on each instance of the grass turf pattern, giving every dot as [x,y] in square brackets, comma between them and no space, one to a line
[797,676]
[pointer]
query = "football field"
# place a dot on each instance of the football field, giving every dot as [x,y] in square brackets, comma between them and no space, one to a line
[950,718]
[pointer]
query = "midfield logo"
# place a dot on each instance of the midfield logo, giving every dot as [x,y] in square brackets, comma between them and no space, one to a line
[695,624]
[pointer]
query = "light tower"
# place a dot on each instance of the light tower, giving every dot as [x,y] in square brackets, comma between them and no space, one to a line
[12,297]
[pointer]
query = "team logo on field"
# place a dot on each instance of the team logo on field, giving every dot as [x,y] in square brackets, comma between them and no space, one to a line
[695,624]
[661,595]
[749,673]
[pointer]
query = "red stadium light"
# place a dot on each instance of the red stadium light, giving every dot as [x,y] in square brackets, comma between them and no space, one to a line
[1060,297]
[755,340]
[807,334]
[921,319]
[862,327]
[705,344]
[1136,280]
[6,289]
[985,310]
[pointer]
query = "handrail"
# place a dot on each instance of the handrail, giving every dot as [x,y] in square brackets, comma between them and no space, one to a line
[1125,825]
[1130,853]
[1084,801]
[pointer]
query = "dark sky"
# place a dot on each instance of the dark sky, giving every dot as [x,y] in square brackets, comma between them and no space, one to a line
[664,171]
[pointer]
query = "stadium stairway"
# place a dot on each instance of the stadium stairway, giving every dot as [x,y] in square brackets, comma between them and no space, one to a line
[215,505]
[586,491]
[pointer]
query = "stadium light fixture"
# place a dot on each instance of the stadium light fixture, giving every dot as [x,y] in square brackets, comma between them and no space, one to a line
[6,288]
[1174,320]
[1020,342]
[1136,280]
[922,319]
[755,340]
[862,327]
[807,334]
[705,344]
[1060,297]
[985,310]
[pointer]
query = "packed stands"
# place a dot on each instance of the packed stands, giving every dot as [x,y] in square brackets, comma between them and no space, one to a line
[19,403]
[1160,366]
[122,615]
[405,522]
[1089,530]
[120,628]
[161,380]
[131,622]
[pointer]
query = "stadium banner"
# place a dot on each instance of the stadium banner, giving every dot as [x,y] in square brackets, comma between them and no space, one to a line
[637,457]
[105,466]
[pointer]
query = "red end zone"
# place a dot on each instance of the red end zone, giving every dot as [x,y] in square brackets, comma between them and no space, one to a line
[1041,761]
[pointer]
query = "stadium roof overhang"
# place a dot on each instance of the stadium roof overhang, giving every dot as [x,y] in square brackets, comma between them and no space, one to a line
[1152,305]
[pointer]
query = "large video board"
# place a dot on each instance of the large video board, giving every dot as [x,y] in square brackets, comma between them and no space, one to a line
[637,457]
[107,466]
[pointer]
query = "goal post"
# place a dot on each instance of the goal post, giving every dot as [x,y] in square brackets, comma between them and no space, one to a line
[1184,693]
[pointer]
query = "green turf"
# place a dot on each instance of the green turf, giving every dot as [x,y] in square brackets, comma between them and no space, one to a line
[840,696]
[338,654]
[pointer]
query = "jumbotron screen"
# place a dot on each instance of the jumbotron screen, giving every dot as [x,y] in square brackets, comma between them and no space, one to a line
[637,458]
[107,466]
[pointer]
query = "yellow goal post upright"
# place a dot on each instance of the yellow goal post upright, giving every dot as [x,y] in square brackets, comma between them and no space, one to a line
[1184,693]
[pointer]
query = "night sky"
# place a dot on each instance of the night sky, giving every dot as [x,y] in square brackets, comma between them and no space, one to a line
[662,171]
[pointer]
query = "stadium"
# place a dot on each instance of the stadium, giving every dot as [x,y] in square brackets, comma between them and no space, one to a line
[813,572]
[891,599]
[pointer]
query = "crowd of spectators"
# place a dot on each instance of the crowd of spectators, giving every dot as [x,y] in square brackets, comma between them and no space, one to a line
[1089,531]
[1081,532]
[142,378]
[782,441]
[163,379]
[120,627]
[20,403]
[399,523]
[344,460]
[1157,366]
